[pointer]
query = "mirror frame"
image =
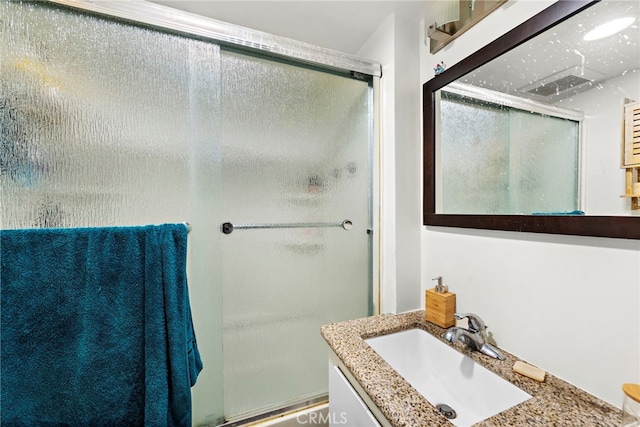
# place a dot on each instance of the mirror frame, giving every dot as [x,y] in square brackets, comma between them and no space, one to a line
[625,227]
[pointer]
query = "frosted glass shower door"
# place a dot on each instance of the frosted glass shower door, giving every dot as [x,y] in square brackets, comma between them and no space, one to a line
[104,123]
[295,150]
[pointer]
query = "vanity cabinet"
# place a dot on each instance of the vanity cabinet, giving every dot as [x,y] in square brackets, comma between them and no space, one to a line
[346,407]
[390,400]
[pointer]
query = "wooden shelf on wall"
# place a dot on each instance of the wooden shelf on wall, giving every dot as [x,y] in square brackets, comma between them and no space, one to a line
[631,153]
[632,186]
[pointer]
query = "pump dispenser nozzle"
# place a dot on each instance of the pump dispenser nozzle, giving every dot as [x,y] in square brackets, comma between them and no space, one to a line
[440,288]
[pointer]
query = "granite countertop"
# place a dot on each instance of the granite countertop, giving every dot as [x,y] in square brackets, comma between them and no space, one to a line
[554,402]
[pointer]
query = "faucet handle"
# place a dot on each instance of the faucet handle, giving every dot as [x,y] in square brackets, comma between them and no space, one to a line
[476,324]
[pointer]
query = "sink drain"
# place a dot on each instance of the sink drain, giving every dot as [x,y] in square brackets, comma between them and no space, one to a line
[446,410]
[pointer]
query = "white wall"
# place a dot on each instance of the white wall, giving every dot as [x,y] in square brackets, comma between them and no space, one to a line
[380,47]
[395,45]
[568,304]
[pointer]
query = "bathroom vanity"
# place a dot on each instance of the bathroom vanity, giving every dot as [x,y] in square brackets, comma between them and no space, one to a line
[365,390]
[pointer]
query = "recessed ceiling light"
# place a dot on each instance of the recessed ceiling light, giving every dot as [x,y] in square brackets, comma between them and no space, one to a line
[610,28]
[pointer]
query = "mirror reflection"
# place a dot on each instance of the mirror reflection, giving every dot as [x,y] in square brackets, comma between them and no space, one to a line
[539,130]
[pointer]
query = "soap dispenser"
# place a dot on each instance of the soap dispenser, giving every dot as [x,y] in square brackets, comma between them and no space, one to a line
[440,305]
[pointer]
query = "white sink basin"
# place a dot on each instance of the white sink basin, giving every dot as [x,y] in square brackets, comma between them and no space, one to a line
[443,375]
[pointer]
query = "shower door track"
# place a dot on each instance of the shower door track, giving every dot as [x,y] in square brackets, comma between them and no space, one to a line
[277,412]
[176,20]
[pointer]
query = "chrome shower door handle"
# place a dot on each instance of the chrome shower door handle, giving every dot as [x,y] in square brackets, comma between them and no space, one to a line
[228,227]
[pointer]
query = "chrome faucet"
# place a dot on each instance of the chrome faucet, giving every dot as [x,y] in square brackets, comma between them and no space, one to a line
[475,337]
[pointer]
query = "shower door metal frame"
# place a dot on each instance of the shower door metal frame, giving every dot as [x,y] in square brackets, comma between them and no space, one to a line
[165,17]
[187,24]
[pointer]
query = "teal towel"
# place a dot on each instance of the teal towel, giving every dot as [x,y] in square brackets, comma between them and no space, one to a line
[96,327]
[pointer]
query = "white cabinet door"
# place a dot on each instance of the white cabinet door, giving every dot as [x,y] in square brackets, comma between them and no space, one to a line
[346,408]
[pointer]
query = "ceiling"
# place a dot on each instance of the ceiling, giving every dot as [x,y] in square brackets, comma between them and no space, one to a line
[339,25]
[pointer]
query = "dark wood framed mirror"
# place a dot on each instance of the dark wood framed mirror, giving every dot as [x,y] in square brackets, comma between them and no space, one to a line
[627,227]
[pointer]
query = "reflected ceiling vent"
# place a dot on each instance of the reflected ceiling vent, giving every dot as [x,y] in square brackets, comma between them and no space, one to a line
[560,85]
[556,86]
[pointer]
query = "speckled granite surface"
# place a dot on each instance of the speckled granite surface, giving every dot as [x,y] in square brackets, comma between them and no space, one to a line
[554,402]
